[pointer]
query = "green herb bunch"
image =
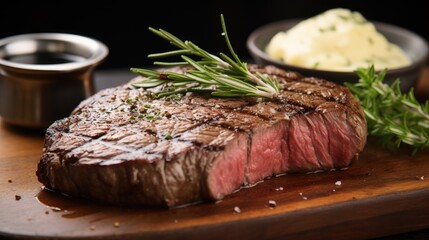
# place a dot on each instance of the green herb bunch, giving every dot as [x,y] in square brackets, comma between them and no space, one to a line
[393,116]
[222,76]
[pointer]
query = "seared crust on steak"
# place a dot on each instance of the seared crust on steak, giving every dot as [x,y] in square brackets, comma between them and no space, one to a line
[121,146]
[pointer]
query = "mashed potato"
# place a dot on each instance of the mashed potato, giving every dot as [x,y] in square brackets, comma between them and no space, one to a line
[336,40]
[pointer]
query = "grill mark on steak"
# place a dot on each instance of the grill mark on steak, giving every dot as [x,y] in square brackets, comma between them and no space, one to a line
[328,94]
[198,148]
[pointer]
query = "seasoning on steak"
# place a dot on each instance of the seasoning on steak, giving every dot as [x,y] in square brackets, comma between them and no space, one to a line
[123,147]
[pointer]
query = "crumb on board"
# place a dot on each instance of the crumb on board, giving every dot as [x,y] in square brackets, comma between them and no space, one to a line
[272,203]
[237,209]
[92,227]
[338,183]
[333,190]
[420,178]
[56,209]
[17,197]
[302,195]
[279,189]
[46,212]
[9,180]
[116,224]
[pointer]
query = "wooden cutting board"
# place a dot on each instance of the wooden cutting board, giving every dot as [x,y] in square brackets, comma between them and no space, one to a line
[383,193]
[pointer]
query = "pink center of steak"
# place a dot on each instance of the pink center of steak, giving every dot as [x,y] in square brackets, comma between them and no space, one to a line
[268,153]
[301,144]
[320,140]
[227,172]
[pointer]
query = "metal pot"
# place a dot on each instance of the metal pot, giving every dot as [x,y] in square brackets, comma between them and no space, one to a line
[44,76]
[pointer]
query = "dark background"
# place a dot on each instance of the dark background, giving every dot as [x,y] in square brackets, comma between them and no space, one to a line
[123,26]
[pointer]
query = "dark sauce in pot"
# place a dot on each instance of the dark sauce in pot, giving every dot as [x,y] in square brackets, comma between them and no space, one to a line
[45,58]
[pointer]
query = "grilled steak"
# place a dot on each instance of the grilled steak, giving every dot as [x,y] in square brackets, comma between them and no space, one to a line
[121,146]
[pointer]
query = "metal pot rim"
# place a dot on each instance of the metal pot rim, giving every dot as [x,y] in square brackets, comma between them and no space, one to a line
[94,51]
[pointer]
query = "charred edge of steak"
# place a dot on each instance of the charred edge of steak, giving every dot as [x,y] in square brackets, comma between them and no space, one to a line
[121,146]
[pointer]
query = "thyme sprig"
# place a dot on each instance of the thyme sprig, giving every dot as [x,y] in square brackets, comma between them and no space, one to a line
[222,76]
[393,116]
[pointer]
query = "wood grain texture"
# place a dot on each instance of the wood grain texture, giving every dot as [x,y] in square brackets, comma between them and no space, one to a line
[382,193]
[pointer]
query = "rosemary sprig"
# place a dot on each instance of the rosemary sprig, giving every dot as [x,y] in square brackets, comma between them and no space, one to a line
[392,115]
[221,75]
